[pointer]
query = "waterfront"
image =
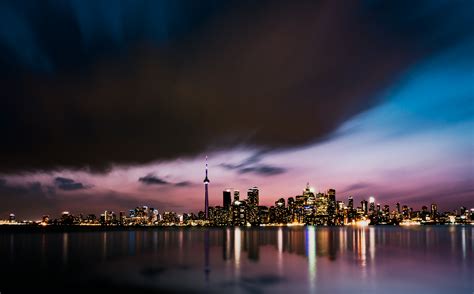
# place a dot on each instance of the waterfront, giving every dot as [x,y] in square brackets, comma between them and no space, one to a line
[375,259]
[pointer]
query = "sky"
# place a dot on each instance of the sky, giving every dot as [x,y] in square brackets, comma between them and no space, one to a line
[109,105]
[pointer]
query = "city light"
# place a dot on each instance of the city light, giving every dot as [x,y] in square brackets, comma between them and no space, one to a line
[308,208]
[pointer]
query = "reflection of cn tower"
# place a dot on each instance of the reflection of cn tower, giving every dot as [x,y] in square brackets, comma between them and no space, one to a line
[206,194]
[207,266]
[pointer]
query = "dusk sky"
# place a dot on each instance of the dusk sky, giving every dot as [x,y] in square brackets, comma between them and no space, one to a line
[109,105]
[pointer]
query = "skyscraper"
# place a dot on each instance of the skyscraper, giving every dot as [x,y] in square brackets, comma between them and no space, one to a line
[206,194]
[371,204]
[332,203]
[308,195]
[252,206]
[252,196]
[236,195]
[351,203]
[226,198]
[363,203]
[434,211]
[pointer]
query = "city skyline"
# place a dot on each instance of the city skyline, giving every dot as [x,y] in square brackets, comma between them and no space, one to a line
[120,103]
[342,211]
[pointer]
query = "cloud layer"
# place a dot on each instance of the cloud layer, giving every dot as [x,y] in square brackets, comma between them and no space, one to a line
[68,184]
[271,75]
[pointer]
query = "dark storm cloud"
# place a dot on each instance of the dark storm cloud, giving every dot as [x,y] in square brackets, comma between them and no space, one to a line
[184,184]
[252,164]
[264,170]
[151,179]
[68,184]
[358,186]
[266,75]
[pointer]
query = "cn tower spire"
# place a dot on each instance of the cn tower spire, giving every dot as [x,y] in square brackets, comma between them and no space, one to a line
[206,193]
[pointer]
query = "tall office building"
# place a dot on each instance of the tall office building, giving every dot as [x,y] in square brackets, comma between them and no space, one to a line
[332,202]
[206,194]
[364,203]
[351,203]
[252,196]
[236,195]
[252,206]
[371,204]
[226,198]
[398,208]
[434,211]
[308,195]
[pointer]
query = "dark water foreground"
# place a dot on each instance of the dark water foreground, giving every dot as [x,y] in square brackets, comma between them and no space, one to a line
[234,260]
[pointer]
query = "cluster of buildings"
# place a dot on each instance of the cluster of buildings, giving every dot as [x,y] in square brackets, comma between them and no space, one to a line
[311,208]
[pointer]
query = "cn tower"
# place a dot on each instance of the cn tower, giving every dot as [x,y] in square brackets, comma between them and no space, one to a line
[206,194]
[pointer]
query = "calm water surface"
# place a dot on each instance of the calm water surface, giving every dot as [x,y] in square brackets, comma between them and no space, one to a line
[240,260]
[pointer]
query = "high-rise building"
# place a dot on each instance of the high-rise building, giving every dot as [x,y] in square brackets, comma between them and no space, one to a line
[236,195]
[331,203]
[340,205]
[308,196]
[252,196]
[252,206]
[280,203]
[239,213]
[364,204]
[350,205]
[291,209]
[322,212]
[398,208]
[206,194]
[424,212]
[371,204]
[121,217]
[226,198]
[405,212]
[434,211]
[280,212]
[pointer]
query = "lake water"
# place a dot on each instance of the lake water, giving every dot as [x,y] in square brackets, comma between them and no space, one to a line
[419,259]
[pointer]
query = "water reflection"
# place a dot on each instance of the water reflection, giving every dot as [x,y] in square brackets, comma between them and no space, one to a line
[66,248]
[240,260]
[311,249]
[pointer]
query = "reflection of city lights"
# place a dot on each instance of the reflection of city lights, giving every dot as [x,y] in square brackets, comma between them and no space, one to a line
[372,243]
[362,248]
[463,242]
[237,247]
[280,249]
[65,247]
[280,240]
[311,250]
